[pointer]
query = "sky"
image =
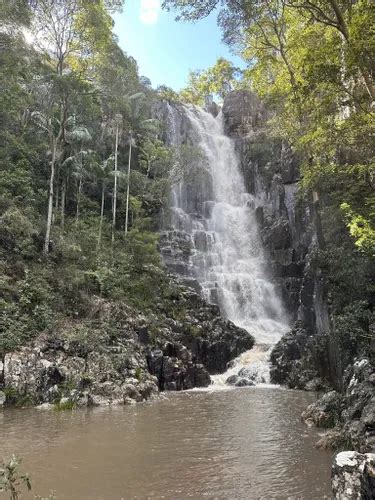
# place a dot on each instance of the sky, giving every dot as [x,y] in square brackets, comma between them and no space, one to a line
[165,49]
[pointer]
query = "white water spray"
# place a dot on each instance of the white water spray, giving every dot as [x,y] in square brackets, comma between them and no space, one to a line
[227,257]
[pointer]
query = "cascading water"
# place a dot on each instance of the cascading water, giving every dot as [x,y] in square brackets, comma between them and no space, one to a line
[212,211]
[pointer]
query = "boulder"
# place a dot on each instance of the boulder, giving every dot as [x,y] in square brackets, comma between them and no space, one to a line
[175,370]
[326,411]
[224,343]
[353,476]
[239,381]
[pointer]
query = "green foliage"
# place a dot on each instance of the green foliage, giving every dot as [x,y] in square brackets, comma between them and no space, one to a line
[138,373]
[218,80]
[65,405]
[60,107]
[17,399]
[360,229]
[165,93]
[11,479]
[82,340]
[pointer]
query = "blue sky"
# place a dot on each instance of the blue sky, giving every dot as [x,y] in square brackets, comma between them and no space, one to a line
[165,49]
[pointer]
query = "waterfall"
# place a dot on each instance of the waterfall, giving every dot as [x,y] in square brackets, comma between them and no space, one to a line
[213,212]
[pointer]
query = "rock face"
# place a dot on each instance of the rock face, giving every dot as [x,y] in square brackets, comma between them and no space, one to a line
[201,337]
[128,358]
[305,357]
[175,369]
[353,476]
[351,414]
[243,111]
[44,373]
[325,412]
[271,174]
[299,360]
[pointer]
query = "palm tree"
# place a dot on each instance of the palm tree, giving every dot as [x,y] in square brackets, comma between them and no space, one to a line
[103,171]
[78,137]
[118,131]
[138,128]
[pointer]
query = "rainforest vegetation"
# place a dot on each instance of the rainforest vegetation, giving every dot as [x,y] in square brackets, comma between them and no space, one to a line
[85,174]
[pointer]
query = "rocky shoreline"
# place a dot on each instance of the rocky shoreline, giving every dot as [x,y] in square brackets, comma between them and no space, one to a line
[121,356]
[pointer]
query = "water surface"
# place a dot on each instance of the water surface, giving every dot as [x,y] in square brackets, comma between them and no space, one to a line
[238,444]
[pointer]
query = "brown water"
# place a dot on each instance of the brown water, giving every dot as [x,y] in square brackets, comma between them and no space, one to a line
[237,444]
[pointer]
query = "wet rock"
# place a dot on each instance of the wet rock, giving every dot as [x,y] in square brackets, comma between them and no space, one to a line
[326,411]
[239,381]
[278,236]
[224,343]
[212,108]
[352,412]
[197,376]
[45,406]
[175,370]
[353,476]
[244,382]
[232,380]
[358,418]
[252,374]
[143,336]
[299,360]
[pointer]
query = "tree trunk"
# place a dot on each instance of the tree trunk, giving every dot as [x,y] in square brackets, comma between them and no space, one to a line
[62,206]
[368,84]
[128,188]
[57,189]
[114,207]
[148,168]
[101,221]
[78,199]
[50,198]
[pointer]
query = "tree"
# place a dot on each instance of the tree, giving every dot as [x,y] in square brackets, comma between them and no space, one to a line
[103,171]
[237,16]
[55,129]
[150,151]
[78,137]
[216,80]
[118,130]
[138,127]
[340,14]
[53,25]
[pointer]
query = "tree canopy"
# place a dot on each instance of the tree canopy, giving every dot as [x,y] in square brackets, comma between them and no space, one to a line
[312,62]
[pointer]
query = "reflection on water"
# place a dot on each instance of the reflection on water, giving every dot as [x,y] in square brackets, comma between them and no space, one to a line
[240,444]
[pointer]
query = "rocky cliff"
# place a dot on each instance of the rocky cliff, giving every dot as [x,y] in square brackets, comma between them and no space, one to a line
[271,174]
